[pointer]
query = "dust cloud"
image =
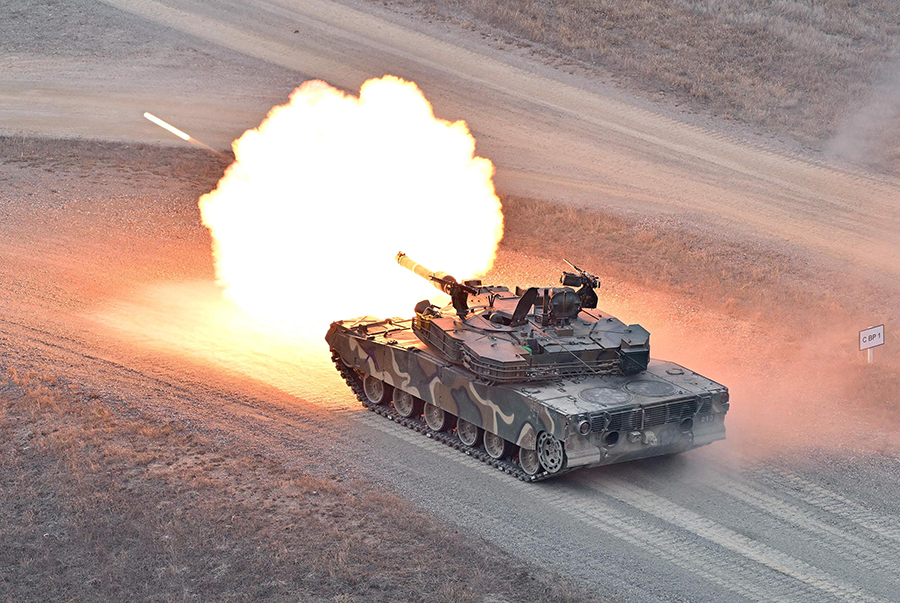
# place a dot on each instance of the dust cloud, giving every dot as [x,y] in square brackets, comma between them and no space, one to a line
[867,136]
[791,390]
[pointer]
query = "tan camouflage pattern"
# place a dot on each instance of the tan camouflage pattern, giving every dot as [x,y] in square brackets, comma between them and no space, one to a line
[498,409]
[388,350]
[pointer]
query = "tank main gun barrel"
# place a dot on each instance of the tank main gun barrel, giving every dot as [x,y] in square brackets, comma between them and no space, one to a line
[457,291]
[441,280]
[419,269]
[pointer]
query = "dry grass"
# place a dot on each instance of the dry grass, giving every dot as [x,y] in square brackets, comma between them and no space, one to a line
[95,506]
[84,158]
[794,66]
[748,280]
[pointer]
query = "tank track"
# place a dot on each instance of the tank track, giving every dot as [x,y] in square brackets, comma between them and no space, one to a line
[447,438]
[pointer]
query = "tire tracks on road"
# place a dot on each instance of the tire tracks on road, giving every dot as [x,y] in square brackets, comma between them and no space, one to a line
[763,554]
[836,504]
[675,534]
[770,576]
[867,553]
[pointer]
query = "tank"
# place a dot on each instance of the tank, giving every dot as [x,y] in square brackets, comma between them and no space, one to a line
[534,381]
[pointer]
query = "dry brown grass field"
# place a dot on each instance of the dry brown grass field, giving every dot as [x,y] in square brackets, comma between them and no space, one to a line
[824,71]
[748,279]
[97,504]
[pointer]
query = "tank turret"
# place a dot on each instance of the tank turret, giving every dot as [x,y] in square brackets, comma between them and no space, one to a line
[530,334]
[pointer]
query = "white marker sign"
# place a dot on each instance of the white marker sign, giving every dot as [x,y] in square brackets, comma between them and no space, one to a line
[871,337]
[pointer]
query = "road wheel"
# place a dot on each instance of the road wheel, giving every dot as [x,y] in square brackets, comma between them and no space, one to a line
[468,433]
[550,452]
[376,390]
[437,419]
[495,446]
[406,404]
[529,461]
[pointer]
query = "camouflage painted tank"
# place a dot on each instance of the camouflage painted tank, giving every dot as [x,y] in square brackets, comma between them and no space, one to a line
[534,381]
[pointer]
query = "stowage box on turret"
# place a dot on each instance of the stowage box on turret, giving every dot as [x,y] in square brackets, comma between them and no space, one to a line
[535,381]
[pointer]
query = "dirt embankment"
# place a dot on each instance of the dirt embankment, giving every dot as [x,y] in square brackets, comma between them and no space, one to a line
[827,73]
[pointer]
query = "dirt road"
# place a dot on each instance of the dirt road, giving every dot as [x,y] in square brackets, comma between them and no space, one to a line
[108,281]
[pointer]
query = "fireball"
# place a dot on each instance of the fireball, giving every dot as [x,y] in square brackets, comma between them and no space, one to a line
[306,222]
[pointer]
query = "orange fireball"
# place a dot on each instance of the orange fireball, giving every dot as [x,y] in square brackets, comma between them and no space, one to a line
[306,222]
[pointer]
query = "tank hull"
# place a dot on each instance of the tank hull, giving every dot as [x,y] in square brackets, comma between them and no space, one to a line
[599,419]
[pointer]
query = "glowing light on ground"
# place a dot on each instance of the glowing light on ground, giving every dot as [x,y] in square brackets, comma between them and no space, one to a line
[323,194]
[207,335]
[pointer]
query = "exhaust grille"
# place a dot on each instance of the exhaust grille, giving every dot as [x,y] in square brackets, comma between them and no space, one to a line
[639,418]
[626,420]
[670,412]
